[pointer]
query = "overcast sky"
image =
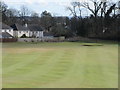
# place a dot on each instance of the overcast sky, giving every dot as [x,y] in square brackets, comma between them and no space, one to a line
[56,7]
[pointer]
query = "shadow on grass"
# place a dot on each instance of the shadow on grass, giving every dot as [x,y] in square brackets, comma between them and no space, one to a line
[92,45]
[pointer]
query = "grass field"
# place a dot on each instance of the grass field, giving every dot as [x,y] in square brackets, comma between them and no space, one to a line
[60,65]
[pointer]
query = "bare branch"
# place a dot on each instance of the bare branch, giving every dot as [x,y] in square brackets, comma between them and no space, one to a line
[70,9]
[97,6]
[73,9]
[86,5]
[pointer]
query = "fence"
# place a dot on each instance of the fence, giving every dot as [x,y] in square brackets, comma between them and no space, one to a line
[8,39]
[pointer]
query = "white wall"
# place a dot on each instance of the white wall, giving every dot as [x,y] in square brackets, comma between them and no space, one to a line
[20,33]
[15,33]
[37,34]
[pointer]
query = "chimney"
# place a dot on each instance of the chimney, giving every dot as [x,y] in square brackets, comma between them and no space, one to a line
[26,25]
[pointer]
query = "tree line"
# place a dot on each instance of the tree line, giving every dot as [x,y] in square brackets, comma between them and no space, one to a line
[103,21]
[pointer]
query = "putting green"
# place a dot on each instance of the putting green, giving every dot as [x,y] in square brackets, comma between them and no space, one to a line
[60,65]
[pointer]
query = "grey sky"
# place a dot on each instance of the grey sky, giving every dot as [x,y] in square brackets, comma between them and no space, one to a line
[56,7]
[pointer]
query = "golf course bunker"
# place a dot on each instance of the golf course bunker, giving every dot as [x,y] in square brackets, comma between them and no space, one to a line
[92,44]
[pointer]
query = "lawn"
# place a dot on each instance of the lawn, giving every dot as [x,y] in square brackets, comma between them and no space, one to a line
[60,65]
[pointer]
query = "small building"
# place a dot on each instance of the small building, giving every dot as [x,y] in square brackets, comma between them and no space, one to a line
[20,30]
[6,28]
[36,31]
[32,30]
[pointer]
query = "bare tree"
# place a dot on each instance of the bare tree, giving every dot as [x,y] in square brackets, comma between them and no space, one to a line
[103,8]
[109,11]
[73,9]
[3,9]
[12,15]
[97,6]
[24,12]
[3,6]
[118,8]
[12,12]
[79,7]
[76,6]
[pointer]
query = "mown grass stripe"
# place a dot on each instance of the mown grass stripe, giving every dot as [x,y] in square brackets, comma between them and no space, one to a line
[67,65]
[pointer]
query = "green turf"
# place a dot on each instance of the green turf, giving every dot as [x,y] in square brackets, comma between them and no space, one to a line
[60,65]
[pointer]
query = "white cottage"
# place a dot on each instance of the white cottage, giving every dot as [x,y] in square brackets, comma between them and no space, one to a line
[32,30]
[35,31]
[20,30]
